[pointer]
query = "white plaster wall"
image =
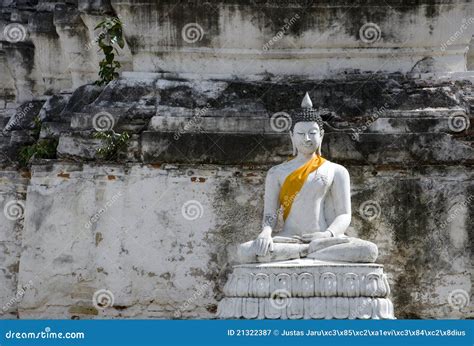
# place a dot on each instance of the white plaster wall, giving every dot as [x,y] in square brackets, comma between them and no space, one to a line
[122,228]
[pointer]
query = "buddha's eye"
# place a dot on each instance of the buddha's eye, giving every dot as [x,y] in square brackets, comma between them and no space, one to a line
[299,133]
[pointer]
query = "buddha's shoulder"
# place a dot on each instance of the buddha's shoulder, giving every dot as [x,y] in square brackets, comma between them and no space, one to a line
[337,168]
[281,168]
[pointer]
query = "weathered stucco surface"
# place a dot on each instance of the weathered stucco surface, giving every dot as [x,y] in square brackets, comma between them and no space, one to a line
[157,227]
[122,228]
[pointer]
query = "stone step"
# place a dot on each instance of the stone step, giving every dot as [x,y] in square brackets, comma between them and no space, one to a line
[308,280]
[453,121]
[53,129]
[369,148]
[306,308]
[178,119]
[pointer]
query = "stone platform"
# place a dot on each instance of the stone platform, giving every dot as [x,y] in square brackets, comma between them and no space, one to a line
[307,289]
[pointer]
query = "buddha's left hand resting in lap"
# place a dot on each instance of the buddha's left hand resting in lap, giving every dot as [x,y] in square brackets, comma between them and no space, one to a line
[314,196]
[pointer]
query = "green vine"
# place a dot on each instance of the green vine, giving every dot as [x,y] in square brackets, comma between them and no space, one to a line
[110,38]
[41,149]
[112,143]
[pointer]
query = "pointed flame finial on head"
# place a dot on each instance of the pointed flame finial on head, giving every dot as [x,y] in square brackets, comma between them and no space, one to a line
[306,103]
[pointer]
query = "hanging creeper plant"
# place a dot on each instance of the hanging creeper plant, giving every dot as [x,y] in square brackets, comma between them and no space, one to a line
[110,38]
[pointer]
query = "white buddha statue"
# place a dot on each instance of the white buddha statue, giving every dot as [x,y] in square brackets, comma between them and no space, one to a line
[314,196]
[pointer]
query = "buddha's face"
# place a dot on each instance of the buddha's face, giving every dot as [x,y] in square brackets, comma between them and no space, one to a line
[306,137]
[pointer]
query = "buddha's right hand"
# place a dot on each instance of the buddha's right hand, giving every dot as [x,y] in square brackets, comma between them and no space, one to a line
[264,242]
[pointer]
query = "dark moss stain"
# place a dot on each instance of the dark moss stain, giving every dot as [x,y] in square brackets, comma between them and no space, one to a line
[165,276]
[212,308]
[101,270]
[402,293]
[179,96]
[98,238]
[14,268]
[470,219]
[410,218]
[83,310]
[26,174]
[233,226]
[216,148]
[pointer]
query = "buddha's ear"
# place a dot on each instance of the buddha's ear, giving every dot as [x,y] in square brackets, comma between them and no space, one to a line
[320,144]
[293,143]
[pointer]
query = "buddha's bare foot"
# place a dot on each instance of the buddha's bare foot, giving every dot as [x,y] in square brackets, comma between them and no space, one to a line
[281,252]
[354,250]
[319,244]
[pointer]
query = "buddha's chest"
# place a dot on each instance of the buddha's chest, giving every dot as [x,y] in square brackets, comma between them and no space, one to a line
[317,184]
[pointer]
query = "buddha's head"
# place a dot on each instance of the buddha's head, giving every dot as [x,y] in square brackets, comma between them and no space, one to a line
[307,129]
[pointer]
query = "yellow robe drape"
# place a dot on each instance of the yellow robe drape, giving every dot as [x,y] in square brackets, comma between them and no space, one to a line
[294,182]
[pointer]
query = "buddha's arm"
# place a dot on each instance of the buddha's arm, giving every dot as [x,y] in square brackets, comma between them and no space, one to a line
[341,196]
[264,241]
[271,200]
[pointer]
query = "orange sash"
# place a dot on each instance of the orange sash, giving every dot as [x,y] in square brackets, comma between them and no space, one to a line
[294,182]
